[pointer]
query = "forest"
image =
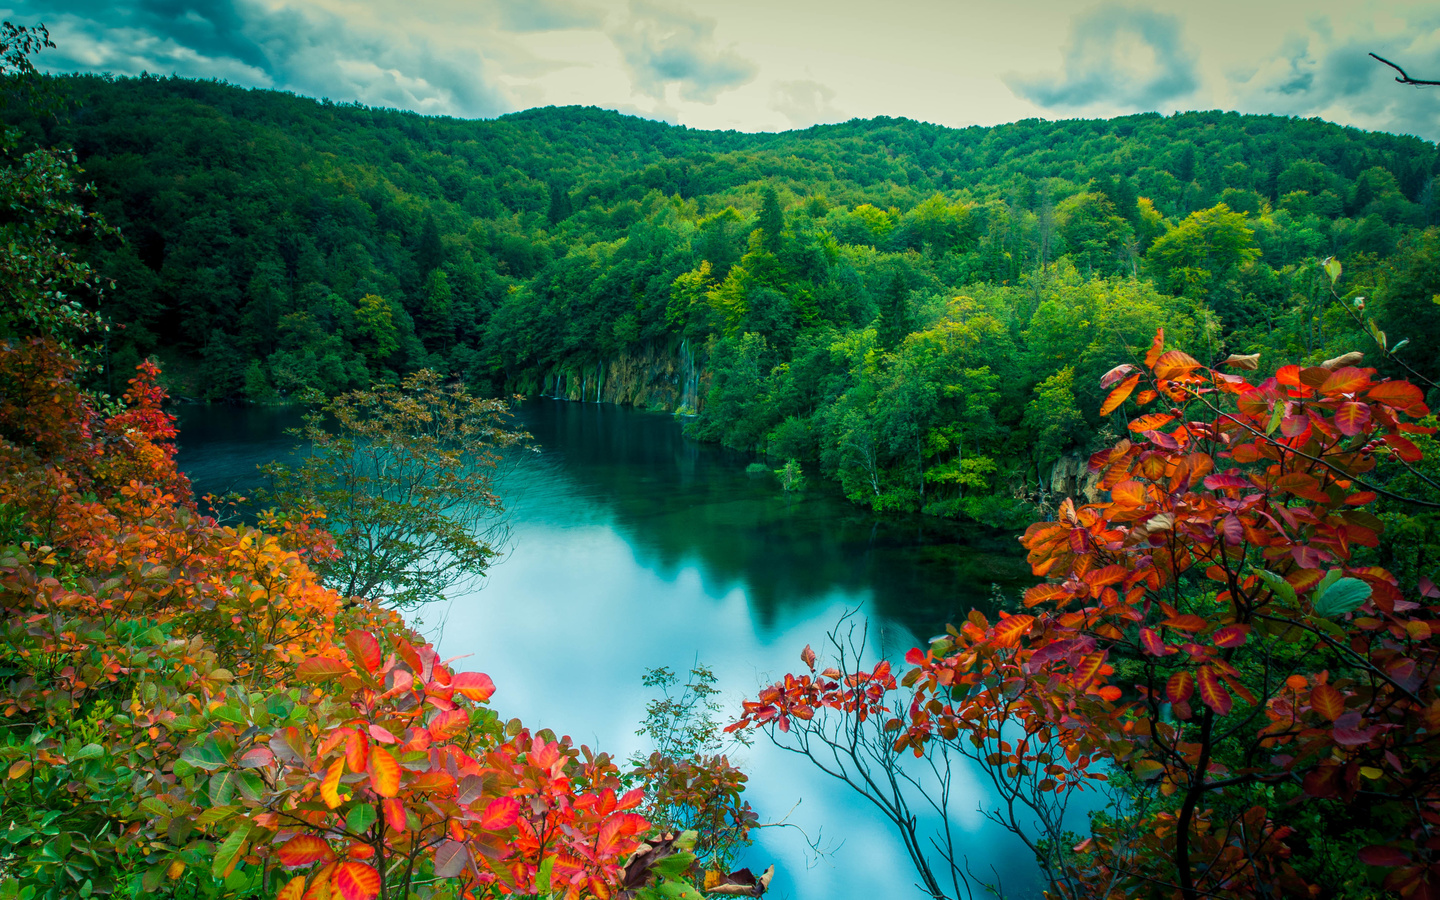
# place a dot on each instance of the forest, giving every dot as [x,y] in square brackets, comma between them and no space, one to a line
[919,313]
[1192,357]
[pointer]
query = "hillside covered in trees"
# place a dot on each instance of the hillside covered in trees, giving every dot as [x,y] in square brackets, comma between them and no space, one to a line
[921,312]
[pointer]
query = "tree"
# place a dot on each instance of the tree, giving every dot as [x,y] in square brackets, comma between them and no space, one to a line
[1212,649]
[771,222]
[405,484]
[1202,252]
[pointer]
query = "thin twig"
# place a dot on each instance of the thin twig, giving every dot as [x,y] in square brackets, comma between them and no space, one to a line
[1403,79]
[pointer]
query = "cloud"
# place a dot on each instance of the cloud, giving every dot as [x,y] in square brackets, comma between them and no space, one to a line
[547,15]
[1125,57]
[805,103]
[663,45]
[1315,72]
[308,51]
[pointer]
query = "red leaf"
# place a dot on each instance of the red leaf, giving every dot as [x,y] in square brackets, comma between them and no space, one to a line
[500,813]
[1088,669]
[384,772]
[1403,448]
[1327,701]
[394,809]
[1388,857]
[474,685]
[1119,395]
[303,850]
[1351,418]
[1212,691]
[1227,481]
[357,881]
[807,656]
[1154,645]
[1231,636]
[1179,687]
[382,735]
[321,668]
[364,649]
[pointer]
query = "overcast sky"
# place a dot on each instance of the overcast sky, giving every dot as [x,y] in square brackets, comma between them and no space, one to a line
[769,65]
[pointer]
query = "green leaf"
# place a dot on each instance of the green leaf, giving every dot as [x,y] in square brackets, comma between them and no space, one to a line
[206,756]
[1276,415]
[251,785]
[1397,347]
[674,866]
[215,814]
[229,851]
[222,787]
[542,877]
[155,807]
[1342,596]
[360,818]
[89,751]
[1278,586]
[1333,268]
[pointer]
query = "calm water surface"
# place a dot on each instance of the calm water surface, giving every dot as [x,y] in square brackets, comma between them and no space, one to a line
[633,547]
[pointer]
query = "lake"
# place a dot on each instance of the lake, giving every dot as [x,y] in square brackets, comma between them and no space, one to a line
[634,547]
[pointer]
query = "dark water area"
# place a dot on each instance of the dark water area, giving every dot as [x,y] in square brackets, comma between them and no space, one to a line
[634,547]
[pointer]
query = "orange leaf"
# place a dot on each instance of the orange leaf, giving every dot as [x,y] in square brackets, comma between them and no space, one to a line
[1150,422]
[1119,395]
[364,649]
[449,723]
[357,751]
[384,772]
[294,889]
[1399,394]
[1327,701]
[394,809]
[304,850]
[1212,691]
[475,685]
[1174,364]
[330,787]
[356,881]
[1156,348]
[500,813]
[322,885]
[1345,381]
[1128,493]
[1009,629]
[321,668]
[1185,623]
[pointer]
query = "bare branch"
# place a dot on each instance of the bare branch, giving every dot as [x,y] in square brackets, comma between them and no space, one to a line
[1403,79]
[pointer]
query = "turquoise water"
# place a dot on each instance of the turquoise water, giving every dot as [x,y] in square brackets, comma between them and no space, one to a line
[633,547]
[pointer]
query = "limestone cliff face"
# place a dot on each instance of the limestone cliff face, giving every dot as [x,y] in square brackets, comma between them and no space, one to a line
[653,378]
[1071,478]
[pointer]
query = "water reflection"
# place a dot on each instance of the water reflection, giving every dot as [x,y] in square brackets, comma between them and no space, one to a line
[634,547]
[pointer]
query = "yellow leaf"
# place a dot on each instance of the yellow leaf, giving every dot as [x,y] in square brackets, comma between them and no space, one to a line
[20,769]
[1370,772]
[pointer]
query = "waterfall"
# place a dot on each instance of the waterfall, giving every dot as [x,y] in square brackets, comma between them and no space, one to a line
[584,382]
[689,379]
[599,379]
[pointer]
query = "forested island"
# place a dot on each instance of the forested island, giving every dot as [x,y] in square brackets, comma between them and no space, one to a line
[1189,361]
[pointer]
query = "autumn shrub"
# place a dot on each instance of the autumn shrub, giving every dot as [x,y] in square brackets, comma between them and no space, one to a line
[1215,663]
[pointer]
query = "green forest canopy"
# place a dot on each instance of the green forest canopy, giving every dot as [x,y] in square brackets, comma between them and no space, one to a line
[924,312]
